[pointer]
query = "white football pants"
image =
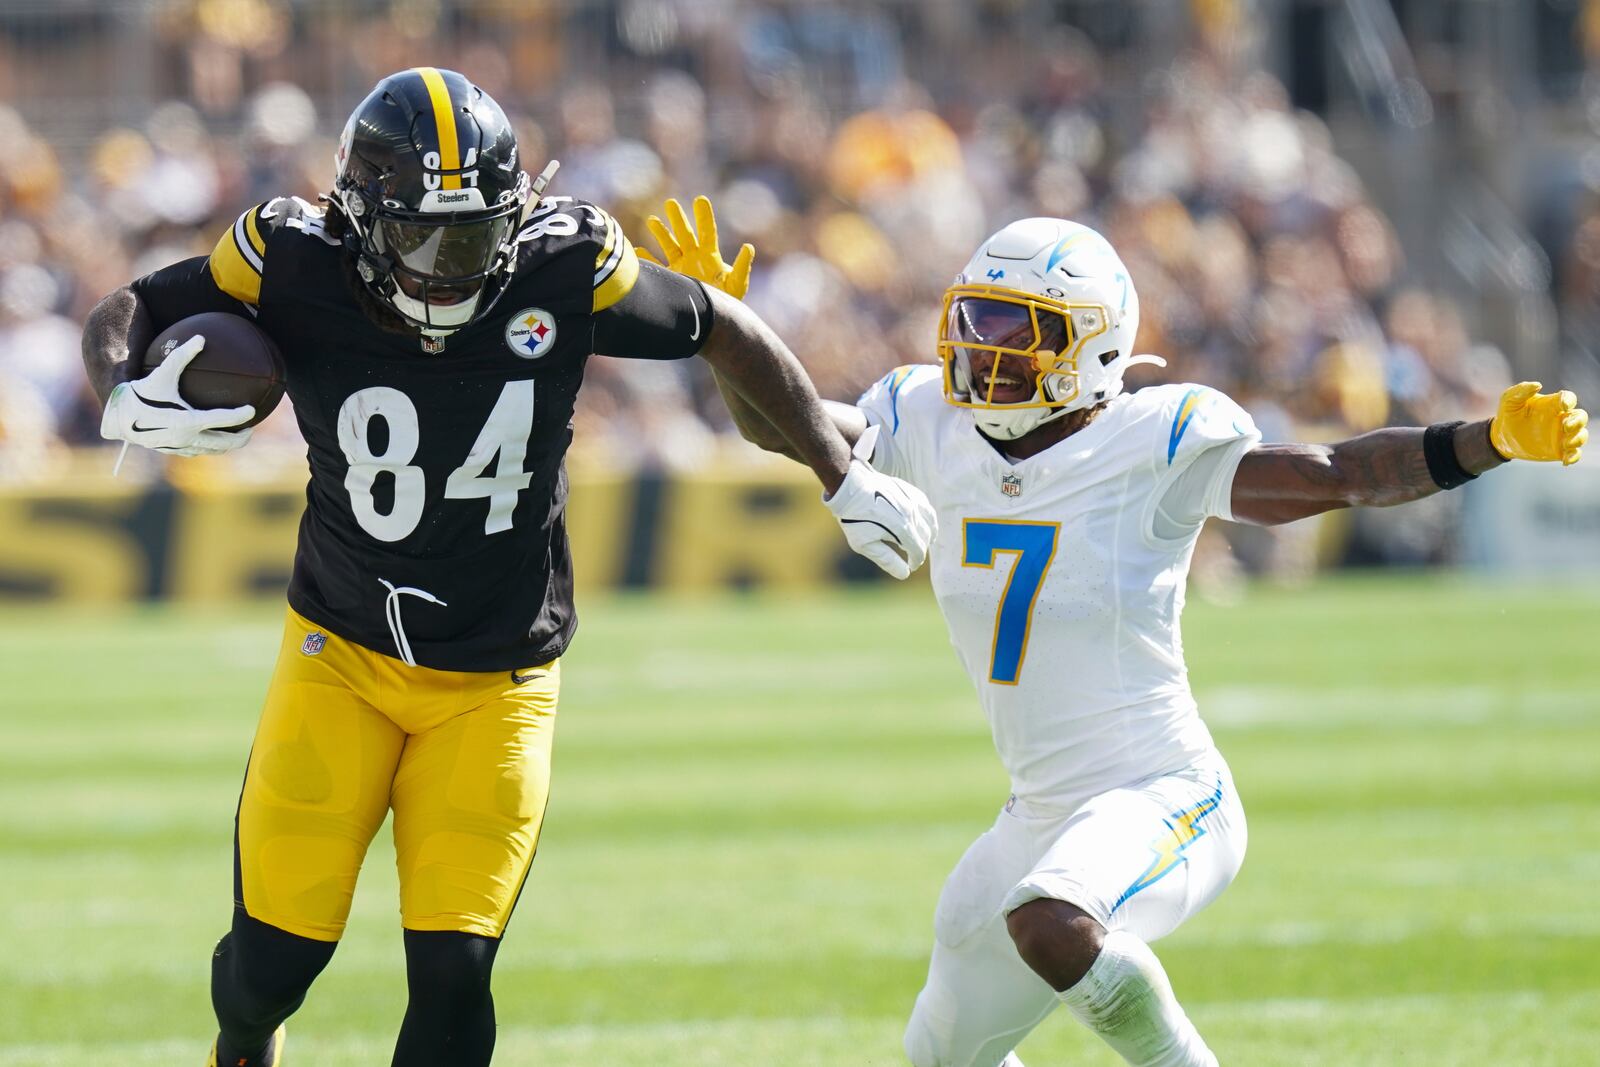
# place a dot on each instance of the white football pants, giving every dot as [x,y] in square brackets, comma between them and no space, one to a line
[1142,858]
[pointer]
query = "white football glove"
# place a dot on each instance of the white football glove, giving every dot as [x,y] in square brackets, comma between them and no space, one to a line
[150,412]
[885,519]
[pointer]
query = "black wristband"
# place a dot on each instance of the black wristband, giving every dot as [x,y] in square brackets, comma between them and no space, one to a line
[1439,449]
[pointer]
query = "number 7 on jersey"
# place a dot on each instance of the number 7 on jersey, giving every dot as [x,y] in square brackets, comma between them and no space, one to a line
[1034,545]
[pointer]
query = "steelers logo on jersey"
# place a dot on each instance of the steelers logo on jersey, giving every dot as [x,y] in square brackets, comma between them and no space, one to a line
[531,332]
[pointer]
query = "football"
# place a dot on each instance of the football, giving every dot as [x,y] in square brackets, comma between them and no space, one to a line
[238,365]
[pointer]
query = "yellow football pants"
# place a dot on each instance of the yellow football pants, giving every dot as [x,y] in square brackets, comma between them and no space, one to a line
[348,733]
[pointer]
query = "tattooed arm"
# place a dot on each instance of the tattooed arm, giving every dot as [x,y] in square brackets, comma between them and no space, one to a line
[1281,483]
[117,327]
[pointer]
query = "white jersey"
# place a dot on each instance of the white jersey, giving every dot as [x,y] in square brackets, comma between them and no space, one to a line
[1061,598]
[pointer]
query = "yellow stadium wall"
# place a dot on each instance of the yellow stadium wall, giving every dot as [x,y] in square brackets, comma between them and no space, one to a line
[735,525]
[740,522]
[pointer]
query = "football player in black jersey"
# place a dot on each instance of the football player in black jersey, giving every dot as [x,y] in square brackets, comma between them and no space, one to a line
[435,318]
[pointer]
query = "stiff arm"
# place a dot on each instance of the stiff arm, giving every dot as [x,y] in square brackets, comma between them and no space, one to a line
[849,420]
[766,388]
[760,409]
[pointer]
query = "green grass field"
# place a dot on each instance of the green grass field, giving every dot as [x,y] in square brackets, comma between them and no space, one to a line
[756,802]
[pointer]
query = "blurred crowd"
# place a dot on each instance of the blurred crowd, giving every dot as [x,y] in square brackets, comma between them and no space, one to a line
[864,151]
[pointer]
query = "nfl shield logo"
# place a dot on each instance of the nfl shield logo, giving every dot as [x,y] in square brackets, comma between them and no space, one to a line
[1011,484]
[313,643]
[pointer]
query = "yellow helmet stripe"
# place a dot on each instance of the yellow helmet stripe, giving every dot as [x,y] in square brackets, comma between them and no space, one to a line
[444,118]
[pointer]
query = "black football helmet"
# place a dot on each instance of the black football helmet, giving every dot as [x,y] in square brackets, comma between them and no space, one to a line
[433,192]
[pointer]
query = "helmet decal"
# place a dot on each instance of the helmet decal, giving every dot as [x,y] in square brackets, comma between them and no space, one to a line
[1064,245]
[445,163]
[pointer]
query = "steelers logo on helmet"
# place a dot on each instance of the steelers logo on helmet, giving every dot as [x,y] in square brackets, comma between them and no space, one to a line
[531,332]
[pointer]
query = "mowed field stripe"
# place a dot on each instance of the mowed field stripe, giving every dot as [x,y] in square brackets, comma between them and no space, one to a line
[1289,934]
[1244,707]
[832,1042]
[755,806]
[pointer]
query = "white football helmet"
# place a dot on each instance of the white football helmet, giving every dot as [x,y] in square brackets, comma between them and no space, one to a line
[1040,322]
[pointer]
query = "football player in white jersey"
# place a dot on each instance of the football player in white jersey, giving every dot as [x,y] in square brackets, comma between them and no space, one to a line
[1068,513]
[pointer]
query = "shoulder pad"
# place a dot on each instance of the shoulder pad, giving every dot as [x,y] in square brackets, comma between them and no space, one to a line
[239,258]
[888,399]
[294,213]
[561,226]
[1193,418]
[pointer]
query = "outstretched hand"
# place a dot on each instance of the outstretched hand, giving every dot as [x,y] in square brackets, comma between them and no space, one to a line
[1539,426]
[692,249]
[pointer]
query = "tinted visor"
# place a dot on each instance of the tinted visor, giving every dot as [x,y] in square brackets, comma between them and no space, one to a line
[443,251]
[993,342]
[1003,324]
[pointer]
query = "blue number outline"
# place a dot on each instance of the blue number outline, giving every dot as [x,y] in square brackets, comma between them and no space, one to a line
[1019,538]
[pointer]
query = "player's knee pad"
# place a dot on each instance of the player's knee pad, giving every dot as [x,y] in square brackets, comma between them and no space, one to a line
[924,1047]
[924,1050]
[448,970]
[919,1046]
[258,971]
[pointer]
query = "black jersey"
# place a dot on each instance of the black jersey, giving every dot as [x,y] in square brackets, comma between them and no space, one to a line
[434,526]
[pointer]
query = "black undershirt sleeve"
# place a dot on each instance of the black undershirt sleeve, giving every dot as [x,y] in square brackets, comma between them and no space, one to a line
[664,316]
[183,289]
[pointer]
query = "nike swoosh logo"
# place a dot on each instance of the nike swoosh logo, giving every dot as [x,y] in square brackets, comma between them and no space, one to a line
[695,336]
[879,496]
[880,526]
[524,678]
[136,428]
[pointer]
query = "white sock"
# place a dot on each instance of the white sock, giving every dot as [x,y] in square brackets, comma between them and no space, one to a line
[1127,1000]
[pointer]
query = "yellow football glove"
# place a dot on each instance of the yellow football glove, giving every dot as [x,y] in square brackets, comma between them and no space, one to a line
[693,250]
[1539,426]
